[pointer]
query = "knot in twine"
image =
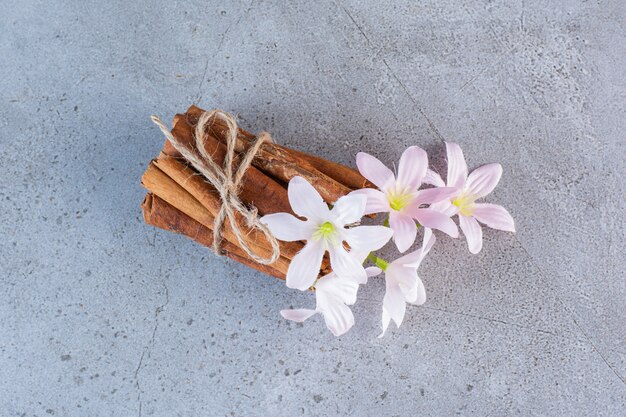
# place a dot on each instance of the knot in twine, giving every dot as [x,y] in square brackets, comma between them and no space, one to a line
[226,179]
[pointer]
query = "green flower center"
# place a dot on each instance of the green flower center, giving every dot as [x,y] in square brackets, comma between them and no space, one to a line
[326,229]
[327,232]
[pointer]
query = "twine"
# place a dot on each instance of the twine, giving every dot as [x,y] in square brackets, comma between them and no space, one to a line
[226,179]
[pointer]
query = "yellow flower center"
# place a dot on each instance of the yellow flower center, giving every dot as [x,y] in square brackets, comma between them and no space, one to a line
[399,199]
[465,203]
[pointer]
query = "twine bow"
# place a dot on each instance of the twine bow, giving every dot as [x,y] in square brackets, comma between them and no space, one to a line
[226,179]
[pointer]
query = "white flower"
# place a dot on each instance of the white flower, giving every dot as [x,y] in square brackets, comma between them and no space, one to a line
[333,296]
[403,285]
[324,230]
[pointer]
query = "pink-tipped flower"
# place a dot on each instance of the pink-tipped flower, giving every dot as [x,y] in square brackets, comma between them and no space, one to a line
[403,285]
[468,189]
[399,196]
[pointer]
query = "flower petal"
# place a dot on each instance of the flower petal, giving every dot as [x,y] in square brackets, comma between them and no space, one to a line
[404,230]
[410,290]
[305,266]
[394,302]
[334,286]
[305,200]
[373,271]
[483,180]
[367,238]
[338,317]
[432,178]
[346,265]
[412,167]
[457,167]
[385,321]
[403,276]
[435,220]
[473,233]
[349,208]
[359,255]
[494,216]
[414,259]
[429,241]
[287,227]
[298,315]
[333,293]
[433,195]
[376,200]
[445,207]
[420,294]
[374,170]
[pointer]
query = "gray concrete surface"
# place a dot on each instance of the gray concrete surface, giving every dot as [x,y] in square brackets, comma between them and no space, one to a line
[101,315]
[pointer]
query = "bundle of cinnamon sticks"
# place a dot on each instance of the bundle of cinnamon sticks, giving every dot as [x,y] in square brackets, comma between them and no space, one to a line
[180,200]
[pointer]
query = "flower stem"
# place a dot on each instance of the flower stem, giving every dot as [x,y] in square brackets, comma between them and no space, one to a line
[381,263]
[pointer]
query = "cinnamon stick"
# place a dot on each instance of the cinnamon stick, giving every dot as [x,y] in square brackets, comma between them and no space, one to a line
[180,200]
[207,196]
[276,161]
[257,189]
[338,172]
[158,213]
[160,184]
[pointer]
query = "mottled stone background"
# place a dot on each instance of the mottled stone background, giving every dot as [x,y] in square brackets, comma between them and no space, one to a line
[101,315]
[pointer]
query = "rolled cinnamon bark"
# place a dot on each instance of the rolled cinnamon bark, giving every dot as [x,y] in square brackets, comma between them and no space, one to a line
[207,196]
[273,160]
[338,172]
[158,213]
[181,200]
[257,189]
[160,184]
